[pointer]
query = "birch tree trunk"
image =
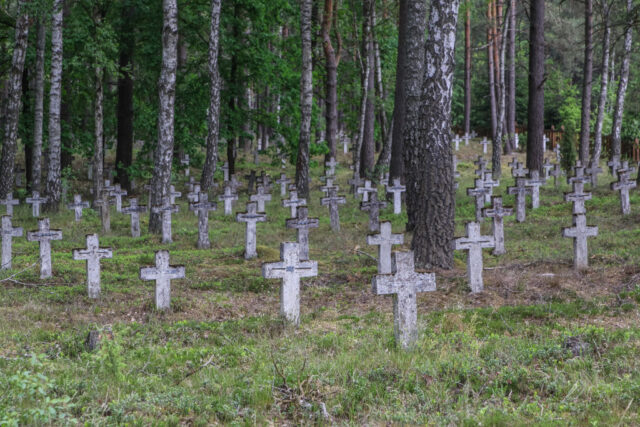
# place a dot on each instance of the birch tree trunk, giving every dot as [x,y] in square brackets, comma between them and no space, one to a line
[306,101]
[496,166]
[604,84]
[491,63]
[585,120]
[511,92]
[616,139]
[427,151]
[163,155]
[213,116]
[55,98]
[385,153]
[467,69]
[98,141]
[367,151]
[36,151]
[535,127]
[331,88]
[14,104]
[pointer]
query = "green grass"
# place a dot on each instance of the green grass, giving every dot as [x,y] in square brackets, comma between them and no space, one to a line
[221,355]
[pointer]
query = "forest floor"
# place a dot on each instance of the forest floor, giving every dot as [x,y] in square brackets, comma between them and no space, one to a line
[541,345]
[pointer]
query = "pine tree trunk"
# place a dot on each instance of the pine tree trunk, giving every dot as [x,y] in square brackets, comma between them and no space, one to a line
[496,166]
[604,84]
[55,97]
[124,149]
[98,142]
[306,101]
[10,143]
[66,125]
[511,82]
[213,117]
[36,151]
[163,155]
[616,140]
[467,70]
[367,151]
[385,132]
[331,66]
[585,121]
[491,63]
[535,127]
[427,152]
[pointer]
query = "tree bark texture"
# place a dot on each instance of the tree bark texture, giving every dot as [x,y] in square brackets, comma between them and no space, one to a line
[616,128]
[306,101]
[36,150]
[367,151]
[98,140]
[604,83]
[587,80]
[331,82]
[511,81]
[213,117]
[535,127]
[427,151]
[163,155]
[491,63]
[496,165]
[467,70]
[124,148]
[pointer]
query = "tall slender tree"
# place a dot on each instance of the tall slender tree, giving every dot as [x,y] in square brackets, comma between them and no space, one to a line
[491,64]
[306,100]
[467,68]
[616,128]
[535,126]
[604,79]
[124,148]
[38,111]
[511,80]
[367,150]
[331,83]
[587,81]
[427,150]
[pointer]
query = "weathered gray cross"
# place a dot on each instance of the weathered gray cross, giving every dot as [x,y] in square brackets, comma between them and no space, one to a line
[251,178]
[535,182]
[580,232]
[283,181]
[489,183]
[474,243]
[579,174]
[293,202]
[10,202]
[185,162]
[404,283]
[192,195]
[162,273]
[225,171]
[251,217]
[117,194]
[614,165]
[578,197]
[166,210]
[556,173]
[93,254]
[466,138]
[35,201]
[366,189]
[173,194]
[333,200]
[456,141]
[44,235]
[331,166]
[373,206]
[520,190]
[8,233]
[290,269]
[303,224]
[234,183]
[202,207]
[482,167]
[77,206]
[265,181]
[498,212]
[385,241]
[593,171]
[484,143]
[355,183]
[189,185]
[228,198]
[397,189]
[519,171]
[513,163]
[329,185]
[260,198]
[547,166]
[480,193]
[105,214]
[134,209]
[623,185]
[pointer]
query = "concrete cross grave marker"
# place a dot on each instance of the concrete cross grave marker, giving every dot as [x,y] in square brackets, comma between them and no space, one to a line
[44,235]
[366,189]
[466,138]
[547,166]
[556,150]
[107,185]
[345,145]
[623,185]
[397,189]
[293,202]
[10,202]
[189,185]
[92,255]
[385,241]
[593,171]
[173,194]
[234,183]
[489,183]
[77,206]
[225,171]
[482,167]
[202,207]
[545,141]
[329,185]
[8,233]
[260,197]
[105,213]
[516,140]
[520,190]
[166,210]
[556,173]
[519,171]
[373,206]
[162,273]
[192,196]
[484,143]
[579,175]
[35,201]
[535,182]
[333,200]
[303,224]
[283,181]
[251,217]
[614,165]
[474,242]
[331,167]
[513,163]
[265,181]
[117,194]
[185,162]
[290,269]
[251,181]
[578,197]
[404,284]
[355,183]
[456,141]
[228,198]
[580,232]
[134,210]
[498,212]
[479,192]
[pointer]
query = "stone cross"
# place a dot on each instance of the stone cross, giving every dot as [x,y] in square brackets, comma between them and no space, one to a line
[44,235]
[202,207]
[385,240]
[614,165]
[366,190]
[303,224]
[251,178]
[456,141]
[498,212]
[251,217]
[173,194]
[192,196]
[345,145]
[35,201]
[482,167]
[8,233]
[519,171]
[373,206]
[162,273]
[107,185]
[474,243]
[92,255]
[579,175]
[397,189]
[225,171]
[117,194]
[535,182]
[489,183]
[228,198]
[10,202]
[166,210]
[556,173]
[516,140]
[333,200]
[545,141]
[520,190]
[185,162]
[623,185]
[77,206]
[580,232]
[134,210]
[283,181]
[547,166]
[404,284]
[513,163]
[331,166]
[479,192]
[355,183]
[328,186]
[593,171]
[189,185]
[105,214]
[578,197]
[293,202]
[290,269]
[260,197]
[466,138]
[557,152]
[234,183]
[265,181]
[484,143]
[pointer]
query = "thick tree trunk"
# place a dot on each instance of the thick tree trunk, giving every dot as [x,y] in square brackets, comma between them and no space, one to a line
[331,88]
[511,82]
[616,139]
[585,121]
[36,150]
[213,117]
[10,143]
[163,155]
[604,84]
[367,152]
[427,152]
[535,127]
[124,149]
[306,101]
[491,63]
[53,183]
[98,141]
[467,70]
